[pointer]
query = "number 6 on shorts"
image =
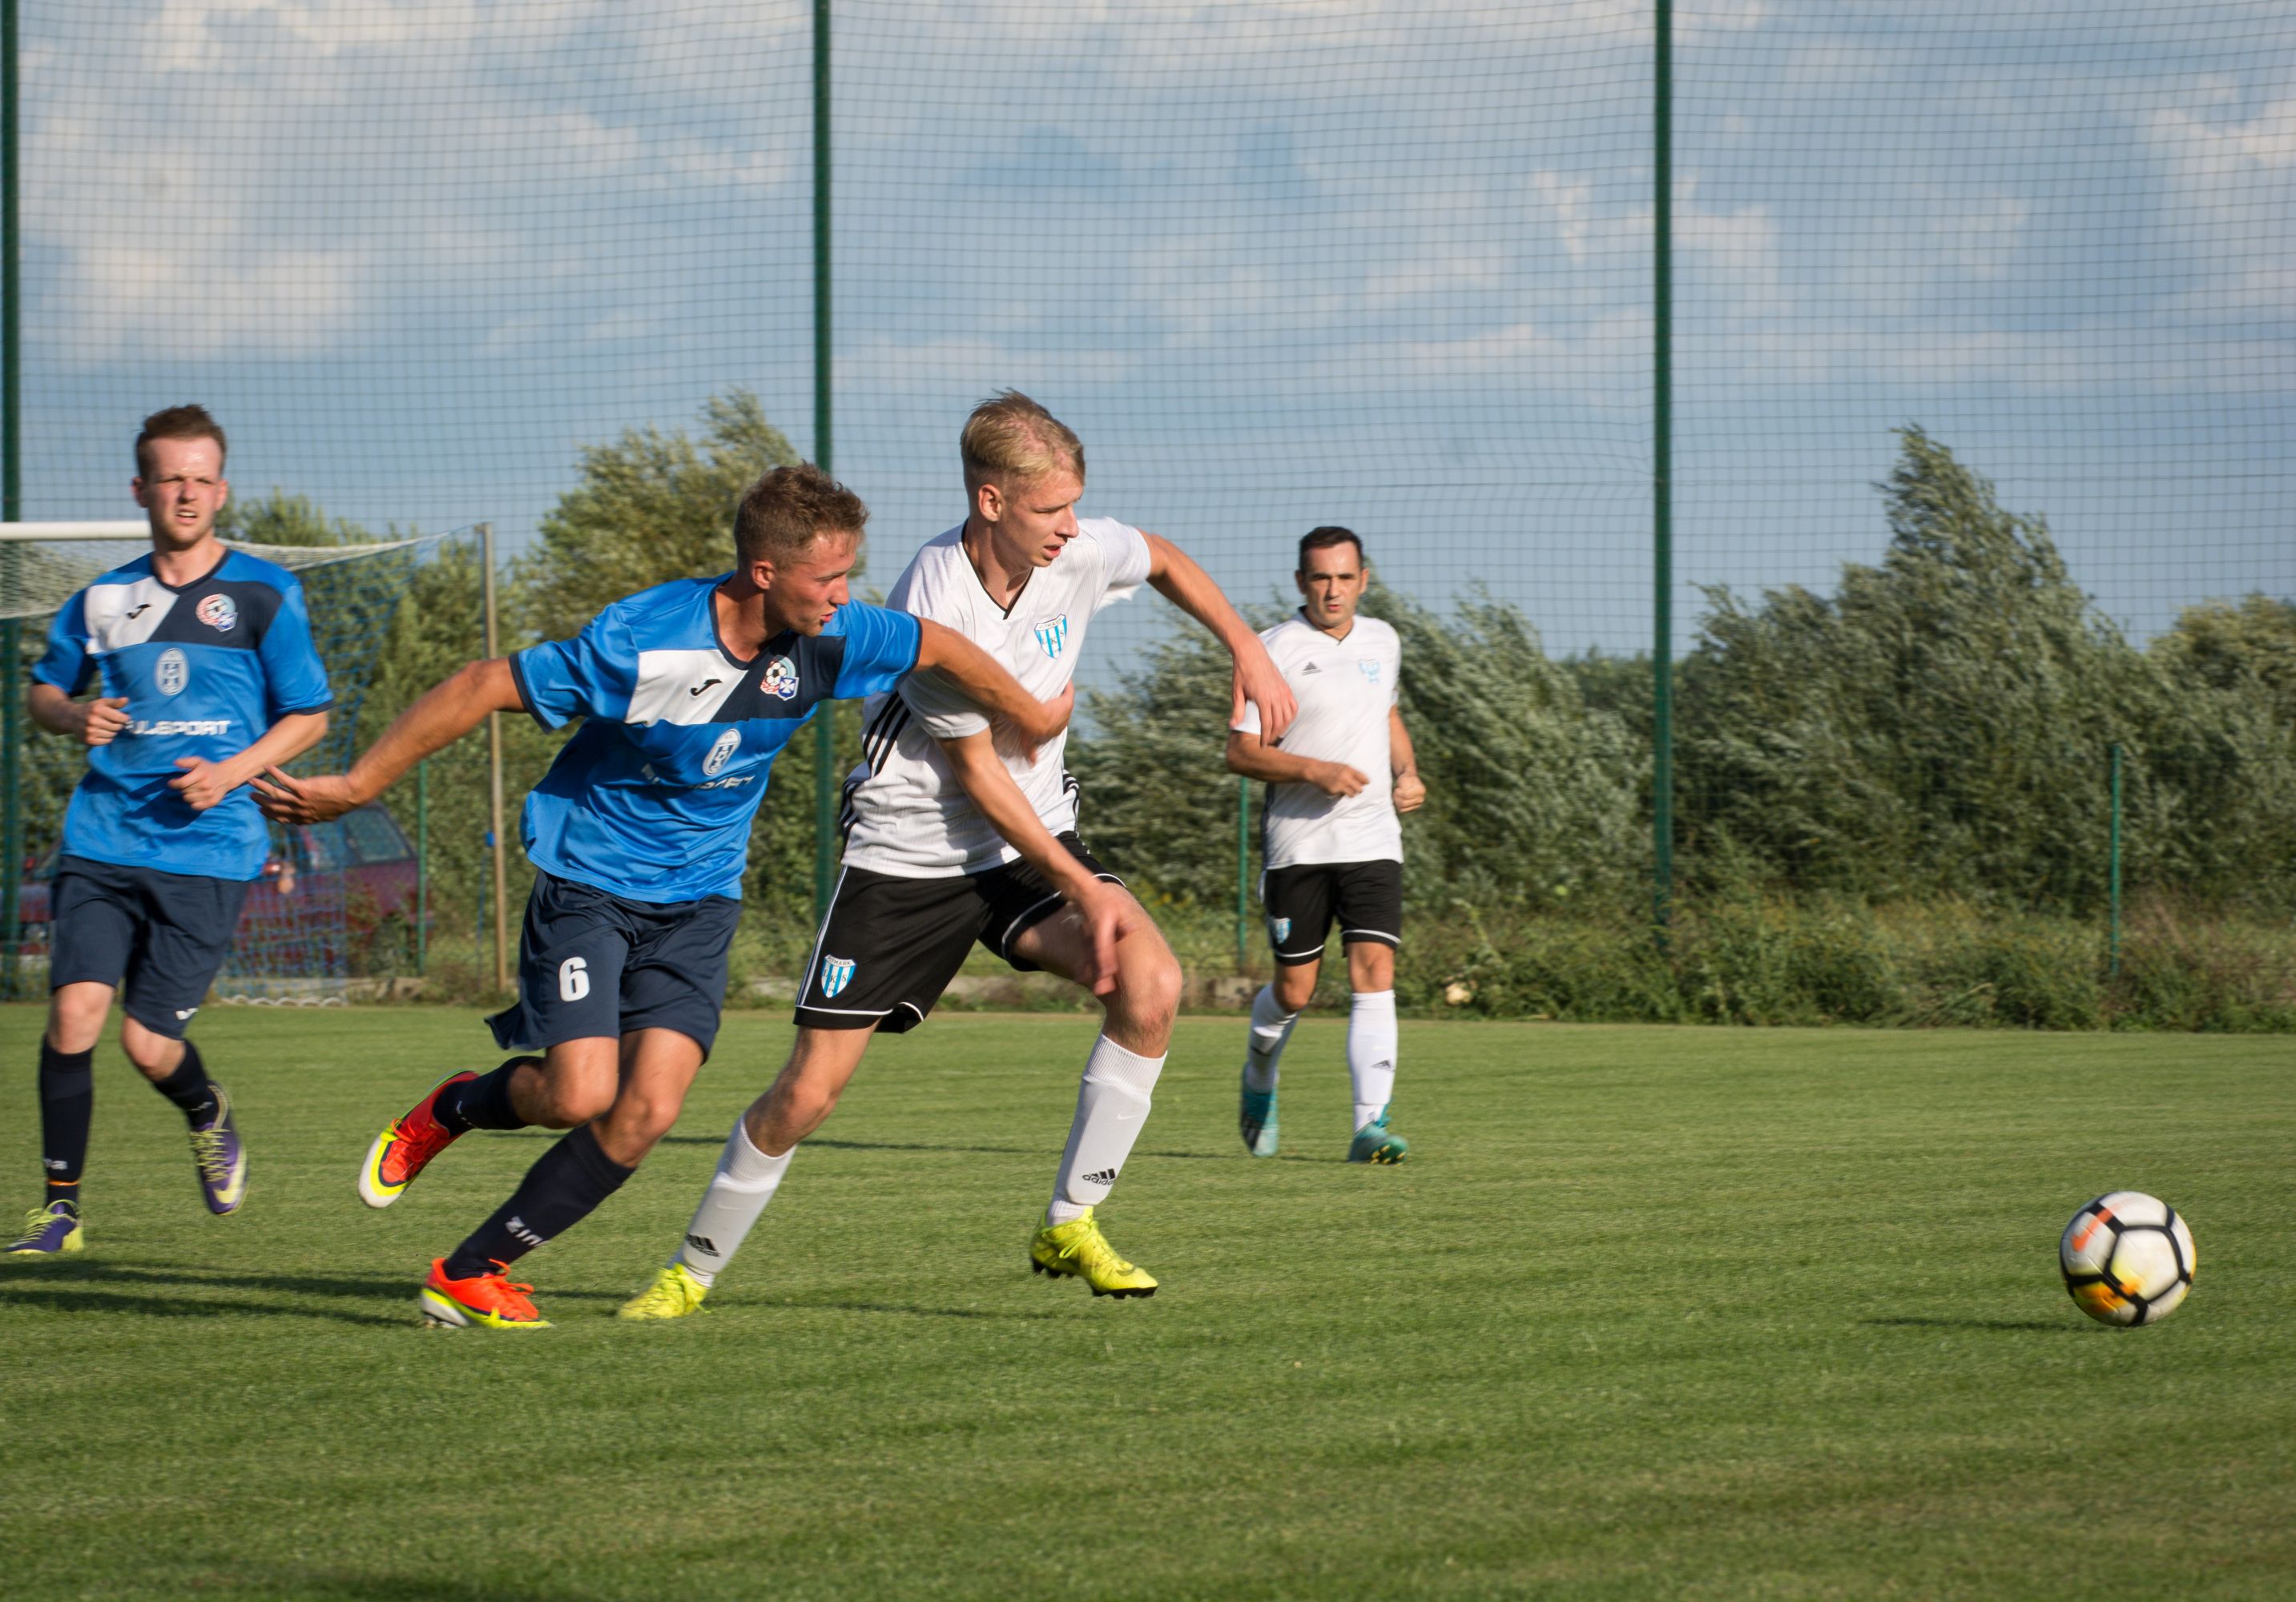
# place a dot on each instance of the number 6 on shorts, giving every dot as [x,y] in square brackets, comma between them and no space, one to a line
[573,979]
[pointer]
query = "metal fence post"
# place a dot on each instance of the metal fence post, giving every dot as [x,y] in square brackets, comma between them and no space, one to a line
[1662,476]
[2113,937]
[495,777]
[1242,870]
[824,727]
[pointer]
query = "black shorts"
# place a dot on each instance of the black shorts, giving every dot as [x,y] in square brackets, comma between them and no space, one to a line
[893,945]
[593,964]
[1300,902]
[167,935]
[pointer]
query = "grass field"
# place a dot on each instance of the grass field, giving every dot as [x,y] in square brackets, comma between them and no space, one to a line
[1651,1313]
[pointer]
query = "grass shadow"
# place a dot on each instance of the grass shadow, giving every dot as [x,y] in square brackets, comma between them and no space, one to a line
[78,1297]
[2056,1325]
[908,1310]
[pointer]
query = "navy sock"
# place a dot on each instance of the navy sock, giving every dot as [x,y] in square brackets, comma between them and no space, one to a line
[481,1103]
[190,1088]
[66,1104]
[564,1186]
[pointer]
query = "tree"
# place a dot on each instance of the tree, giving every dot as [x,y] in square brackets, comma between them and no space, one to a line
[649,507]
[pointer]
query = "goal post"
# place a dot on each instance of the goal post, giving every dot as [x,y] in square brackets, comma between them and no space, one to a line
[295,938]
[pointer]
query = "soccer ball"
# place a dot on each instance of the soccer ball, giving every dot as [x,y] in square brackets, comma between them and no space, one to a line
[2128,1258]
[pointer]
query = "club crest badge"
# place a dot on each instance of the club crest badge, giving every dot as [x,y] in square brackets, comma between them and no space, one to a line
[219,612]
[172,671]
[781,680]
[1280,928]
[1053,637]
[722,753]
[836,973]
[1370,666]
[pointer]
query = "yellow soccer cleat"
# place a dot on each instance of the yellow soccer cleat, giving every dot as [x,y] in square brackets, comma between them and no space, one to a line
[674,1294]
[1078,1247]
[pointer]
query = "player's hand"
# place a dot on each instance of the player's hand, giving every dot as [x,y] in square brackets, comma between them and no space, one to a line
[1258,681]
[1336,778]
[284,799]
[1023,739]
[103,719]
[1410,791]
[202,783]
[1110,914]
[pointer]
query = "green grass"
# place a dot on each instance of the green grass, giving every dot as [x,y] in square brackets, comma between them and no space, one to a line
[1651,1312]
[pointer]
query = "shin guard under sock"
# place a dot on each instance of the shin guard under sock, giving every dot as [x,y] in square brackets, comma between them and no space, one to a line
[745,1181]
[67,1105]
[563,1188]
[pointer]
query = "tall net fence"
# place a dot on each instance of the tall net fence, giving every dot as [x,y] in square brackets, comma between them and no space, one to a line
[336,901]
[1981,343]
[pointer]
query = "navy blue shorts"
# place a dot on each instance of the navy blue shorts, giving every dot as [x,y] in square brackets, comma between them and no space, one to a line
[592,964]
[166,934]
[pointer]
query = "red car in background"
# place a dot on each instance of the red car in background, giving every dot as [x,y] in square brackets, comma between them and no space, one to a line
[360,863]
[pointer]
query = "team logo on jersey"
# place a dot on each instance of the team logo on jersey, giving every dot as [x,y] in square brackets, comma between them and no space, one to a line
[172,671]
[1281,927]
[781,679]
[836,973]
[219,613]
[1053,636]
[1370,666]
[722,752]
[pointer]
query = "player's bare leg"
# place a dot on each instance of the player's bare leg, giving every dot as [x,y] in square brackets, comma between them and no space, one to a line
[1113,1100]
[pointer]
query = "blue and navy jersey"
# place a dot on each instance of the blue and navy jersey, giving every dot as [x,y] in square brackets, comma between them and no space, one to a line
[653,796]
[206,669]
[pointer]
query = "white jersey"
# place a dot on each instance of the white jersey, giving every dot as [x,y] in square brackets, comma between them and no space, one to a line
[905,812]
[1345,688]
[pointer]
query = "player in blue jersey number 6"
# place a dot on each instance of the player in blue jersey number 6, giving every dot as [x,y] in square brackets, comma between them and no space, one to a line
[639,831]
[201,656]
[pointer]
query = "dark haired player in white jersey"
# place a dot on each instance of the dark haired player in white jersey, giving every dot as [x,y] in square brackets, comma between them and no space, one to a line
[1332,846]
[687,692]
[201,658]
[951,842]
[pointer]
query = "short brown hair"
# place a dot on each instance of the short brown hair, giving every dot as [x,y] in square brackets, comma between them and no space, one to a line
[177,423]
[788,509]
[1010,436]
[1325,537]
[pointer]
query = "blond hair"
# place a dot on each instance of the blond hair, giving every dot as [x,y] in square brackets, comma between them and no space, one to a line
[1010,438]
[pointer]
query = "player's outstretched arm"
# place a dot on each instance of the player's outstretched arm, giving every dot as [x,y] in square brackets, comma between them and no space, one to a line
[1179,580]
[1107,911]
[445,713]
[988,686]
[1254,758]
[203,784]
[1410,790]
[90,722]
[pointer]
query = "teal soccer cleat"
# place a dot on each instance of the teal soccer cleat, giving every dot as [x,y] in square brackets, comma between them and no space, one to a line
[1374,1142]
[1256,1121]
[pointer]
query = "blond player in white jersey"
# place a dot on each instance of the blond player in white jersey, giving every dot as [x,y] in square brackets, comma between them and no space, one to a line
[953,838]
[1331,843]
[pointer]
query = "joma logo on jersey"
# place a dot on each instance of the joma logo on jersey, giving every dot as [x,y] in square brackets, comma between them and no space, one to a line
[1053,636]
[219,613]
[836,973]
[171,672]
[722,752]
[781,679]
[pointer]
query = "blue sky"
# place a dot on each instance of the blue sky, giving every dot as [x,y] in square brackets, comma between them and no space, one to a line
[1281,264]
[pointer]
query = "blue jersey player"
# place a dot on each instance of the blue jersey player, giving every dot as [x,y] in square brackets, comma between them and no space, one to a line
[639,833]
[202,663]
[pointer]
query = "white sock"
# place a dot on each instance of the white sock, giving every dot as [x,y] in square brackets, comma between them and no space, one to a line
[1111,1105]
[745,1181]
[1371,1051]
[1271,1027]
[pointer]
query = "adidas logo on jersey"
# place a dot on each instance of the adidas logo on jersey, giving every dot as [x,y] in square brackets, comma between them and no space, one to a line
[1310,668]
[1106,1176]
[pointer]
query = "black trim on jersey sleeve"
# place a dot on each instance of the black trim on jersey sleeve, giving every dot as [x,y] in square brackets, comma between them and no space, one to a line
[326,706]
[525,695]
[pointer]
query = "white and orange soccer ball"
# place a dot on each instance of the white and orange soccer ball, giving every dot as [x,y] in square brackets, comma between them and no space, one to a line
[2128,1258]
